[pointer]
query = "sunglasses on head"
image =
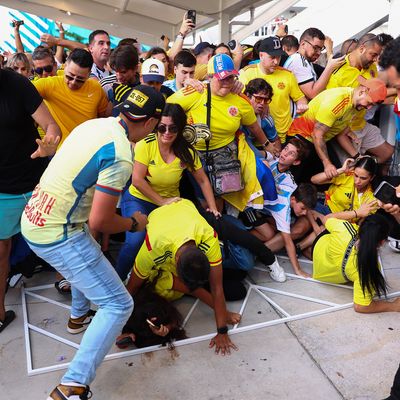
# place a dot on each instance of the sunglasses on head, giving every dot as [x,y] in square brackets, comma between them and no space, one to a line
[46,68]
[74,78]
[162,128]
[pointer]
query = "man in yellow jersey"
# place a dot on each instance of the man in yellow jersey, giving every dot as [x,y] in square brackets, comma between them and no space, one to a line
[74,98]
[181,257]
[362,62]
[328,115]
[283,82]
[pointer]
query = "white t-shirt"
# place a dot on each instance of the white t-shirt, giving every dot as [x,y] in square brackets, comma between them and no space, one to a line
[301,68]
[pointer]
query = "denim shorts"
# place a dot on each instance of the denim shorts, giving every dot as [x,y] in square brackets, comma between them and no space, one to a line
[11,209]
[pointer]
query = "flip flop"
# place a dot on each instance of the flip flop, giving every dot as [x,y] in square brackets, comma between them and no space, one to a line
[10,315]
[63,286]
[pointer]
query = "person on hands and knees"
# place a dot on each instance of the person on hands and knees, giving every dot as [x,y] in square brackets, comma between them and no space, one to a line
[181,258]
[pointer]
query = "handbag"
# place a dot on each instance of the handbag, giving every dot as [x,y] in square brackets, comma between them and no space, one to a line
[222,165]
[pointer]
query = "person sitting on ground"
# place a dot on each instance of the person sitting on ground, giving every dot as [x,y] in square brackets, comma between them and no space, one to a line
[328,116]
[260,94]
[180,258]
[160,161]
[282,230]
[345,253]
[350,196]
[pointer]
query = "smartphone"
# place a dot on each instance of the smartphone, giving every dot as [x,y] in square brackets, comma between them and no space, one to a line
[17,23]
[151,323]
[386,193]
[191,14]
[232,44]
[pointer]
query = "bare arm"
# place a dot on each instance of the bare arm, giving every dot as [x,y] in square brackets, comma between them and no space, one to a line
[320,147]
[291,252]
[186,27]
[345,142]
[134,283]
[311,89]
[18,41]
[60,49]
[56,41]
[48,145]
[103,217]
[205,186]
[321,178]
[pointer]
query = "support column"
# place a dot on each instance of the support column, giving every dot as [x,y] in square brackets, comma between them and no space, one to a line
[394,17]
[223,27]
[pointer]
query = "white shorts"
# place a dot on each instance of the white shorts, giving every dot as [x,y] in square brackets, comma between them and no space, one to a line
[368,138]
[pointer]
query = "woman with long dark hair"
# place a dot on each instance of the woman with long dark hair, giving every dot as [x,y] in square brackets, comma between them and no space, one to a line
[350,195]
[160,160]
[345,252]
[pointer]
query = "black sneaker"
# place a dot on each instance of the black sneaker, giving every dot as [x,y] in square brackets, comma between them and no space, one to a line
[78,325]
[73,391]
[10,315]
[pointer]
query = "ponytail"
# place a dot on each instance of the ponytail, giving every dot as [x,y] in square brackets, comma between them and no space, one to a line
[373,230]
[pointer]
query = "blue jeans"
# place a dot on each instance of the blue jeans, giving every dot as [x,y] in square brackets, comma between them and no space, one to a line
[133,241]
[93,279]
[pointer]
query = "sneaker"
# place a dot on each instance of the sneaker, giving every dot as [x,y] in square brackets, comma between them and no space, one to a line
[276,272]
[394,245]
[72,391]
[10,315]
[78,325]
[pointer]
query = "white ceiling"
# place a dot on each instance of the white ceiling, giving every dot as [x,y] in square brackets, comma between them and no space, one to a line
[146,20]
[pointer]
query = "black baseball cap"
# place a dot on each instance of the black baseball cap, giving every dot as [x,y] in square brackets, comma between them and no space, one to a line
[272,46]
[202,46]
[141,102]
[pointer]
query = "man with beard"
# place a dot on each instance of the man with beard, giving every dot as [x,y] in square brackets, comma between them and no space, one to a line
[362,61]
[301,63]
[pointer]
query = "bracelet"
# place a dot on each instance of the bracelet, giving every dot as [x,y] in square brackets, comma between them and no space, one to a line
[355,212]
[356,156]
[223,330]
[266,143]
[180,36]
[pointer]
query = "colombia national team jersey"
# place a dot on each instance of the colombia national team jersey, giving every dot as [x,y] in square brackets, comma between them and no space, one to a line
[333,108]
[96,156]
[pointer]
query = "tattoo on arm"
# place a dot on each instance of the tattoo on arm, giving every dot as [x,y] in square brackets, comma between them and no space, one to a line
[318,136]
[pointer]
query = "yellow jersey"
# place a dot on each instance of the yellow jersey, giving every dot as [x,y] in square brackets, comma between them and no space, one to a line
[285,88]
[168,229]
[163,177]
[69,107]
[328,257]
[333,108]
[346,76]
[228,113]
[342,195]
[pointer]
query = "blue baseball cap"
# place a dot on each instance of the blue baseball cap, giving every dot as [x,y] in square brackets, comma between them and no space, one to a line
[221,66]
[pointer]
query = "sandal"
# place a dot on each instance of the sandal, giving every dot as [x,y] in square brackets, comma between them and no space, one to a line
[10,315]
[63,286]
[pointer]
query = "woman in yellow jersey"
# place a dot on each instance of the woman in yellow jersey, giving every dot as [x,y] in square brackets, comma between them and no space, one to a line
[350,195]
[160,160]
[345,252]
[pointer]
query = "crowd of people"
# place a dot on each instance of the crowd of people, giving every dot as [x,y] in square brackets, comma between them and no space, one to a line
[207,160]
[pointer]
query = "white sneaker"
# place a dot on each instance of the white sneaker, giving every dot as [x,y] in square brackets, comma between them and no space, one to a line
[394,245]
[276,272]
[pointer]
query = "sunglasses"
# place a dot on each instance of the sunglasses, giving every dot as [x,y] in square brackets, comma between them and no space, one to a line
[167,128]
[261,99]
[74,78]
[316,48]
[46,68]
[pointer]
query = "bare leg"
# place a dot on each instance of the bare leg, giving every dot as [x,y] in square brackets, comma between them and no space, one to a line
[5,250]
[264,232]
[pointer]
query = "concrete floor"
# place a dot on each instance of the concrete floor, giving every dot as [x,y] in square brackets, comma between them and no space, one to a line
[340,355]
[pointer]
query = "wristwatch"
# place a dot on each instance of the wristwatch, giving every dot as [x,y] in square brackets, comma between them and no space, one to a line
[266,143]
[134,225]
[223,330]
